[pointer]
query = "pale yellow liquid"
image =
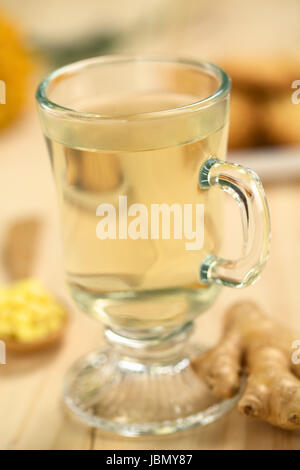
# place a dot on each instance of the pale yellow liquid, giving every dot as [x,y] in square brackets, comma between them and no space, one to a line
[137,283]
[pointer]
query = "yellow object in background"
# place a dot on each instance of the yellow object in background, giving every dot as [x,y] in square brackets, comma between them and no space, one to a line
[28,313]
[15,68]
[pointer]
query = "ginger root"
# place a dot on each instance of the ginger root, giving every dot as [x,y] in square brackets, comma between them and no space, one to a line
[263,348]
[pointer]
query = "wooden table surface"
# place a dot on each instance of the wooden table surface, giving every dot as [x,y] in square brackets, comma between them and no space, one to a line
[32,415]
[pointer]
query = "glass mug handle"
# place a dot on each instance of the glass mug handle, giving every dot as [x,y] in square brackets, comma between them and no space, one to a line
[247,190]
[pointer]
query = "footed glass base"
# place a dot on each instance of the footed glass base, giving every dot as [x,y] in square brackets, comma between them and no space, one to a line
[135,387]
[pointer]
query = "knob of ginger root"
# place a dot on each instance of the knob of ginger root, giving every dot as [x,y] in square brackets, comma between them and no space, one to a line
[264,348]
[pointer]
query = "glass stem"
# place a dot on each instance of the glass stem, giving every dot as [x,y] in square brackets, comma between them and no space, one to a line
[155,353]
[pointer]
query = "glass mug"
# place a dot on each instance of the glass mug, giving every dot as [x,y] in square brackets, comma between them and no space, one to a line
[138,148]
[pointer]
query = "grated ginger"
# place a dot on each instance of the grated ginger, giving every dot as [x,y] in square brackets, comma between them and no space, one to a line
[28,313]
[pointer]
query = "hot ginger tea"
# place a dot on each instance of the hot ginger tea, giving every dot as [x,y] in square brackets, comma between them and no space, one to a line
[143,167]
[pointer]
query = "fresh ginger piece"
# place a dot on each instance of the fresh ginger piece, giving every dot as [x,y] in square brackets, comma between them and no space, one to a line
[264,348]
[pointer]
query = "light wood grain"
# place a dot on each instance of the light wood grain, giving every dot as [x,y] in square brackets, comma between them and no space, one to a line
[32,415]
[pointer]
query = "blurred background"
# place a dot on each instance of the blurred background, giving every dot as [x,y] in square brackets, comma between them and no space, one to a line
[257,43]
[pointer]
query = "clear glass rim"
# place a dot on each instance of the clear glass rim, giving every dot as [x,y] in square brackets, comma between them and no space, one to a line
[202,65]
